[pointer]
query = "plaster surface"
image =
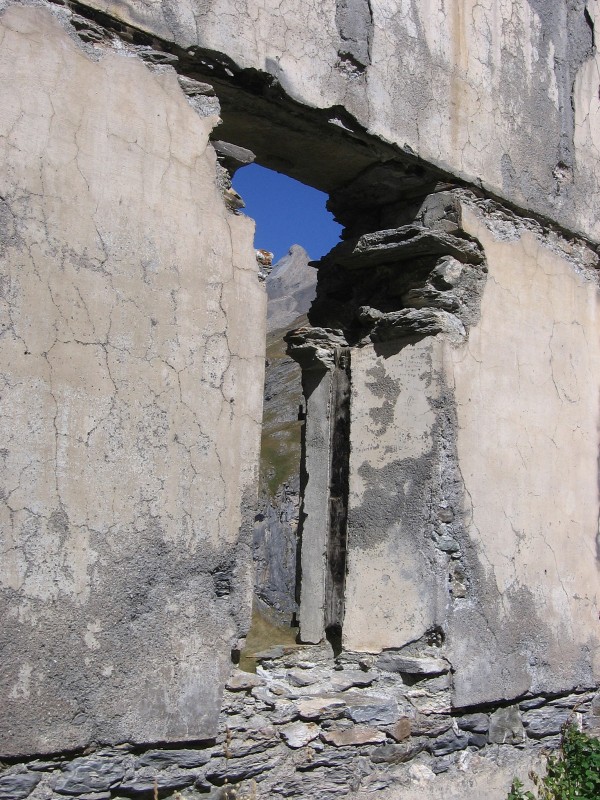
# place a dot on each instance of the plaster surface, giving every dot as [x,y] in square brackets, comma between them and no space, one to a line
[526,387]
[501,94]
[130,403]
[392,579]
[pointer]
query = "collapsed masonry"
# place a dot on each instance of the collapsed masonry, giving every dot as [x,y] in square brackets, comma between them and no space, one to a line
[451,369]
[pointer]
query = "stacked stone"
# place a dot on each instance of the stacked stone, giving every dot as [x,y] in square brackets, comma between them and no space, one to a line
[307,725]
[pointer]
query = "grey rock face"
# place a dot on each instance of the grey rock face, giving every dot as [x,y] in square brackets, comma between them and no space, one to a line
[243,681]
[91,775]
[412,665]
[145,780]
[18,785]
[371,709]
[396,753]
[448,743]
[186,759]
[546,721]
[291,287]
[506,726]
[477,723]
[413,279]
[358,735]
[274,549]
[299,734]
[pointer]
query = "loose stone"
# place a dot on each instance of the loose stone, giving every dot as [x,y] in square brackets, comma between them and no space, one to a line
[299,734]
[90,775]
[396,753]
[243,681]
[545,722]
[186,759]
[448,743]
[400,730]
[356,735]
[412,665]
[17,785]
[506,726]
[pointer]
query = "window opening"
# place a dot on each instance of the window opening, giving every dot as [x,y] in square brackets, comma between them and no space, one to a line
[286,212]
[293,224]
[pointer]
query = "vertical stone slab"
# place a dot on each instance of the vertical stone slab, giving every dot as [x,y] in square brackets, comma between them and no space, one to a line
[392,582]
[315,507]
[130,400]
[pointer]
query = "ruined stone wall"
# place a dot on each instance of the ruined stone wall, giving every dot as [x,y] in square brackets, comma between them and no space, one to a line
[307,726]
[131,398]
[502,94]
[451,374]
[474,363]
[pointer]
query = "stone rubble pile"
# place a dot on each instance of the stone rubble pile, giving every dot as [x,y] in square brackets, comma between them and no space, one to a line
[309,725]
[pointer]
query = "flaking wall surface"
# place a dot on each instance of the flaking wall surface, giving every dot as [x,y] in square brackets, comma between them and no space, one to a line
[526,385]
[131,400]
[502,94]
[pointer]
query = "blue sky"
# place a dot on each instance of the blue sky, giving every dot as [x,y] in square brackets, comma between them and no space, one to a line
[286,212]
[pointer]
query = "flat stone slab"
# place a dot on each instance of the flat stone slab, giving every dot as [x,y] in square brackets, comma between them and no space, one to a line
[299,734]
[412,665]
[359,734]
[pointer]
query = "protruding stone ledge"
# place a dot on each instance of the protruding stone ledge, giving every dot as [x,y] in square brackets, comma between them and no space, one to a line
[400,245]
[315,348]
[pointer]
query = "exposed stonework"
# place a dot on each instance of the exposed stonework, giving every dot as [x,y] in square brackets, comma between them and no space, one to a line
[307,727]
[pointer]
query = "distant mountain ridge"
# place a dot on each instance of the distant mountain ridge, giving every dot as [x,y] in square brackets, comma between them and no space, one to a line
[291,287]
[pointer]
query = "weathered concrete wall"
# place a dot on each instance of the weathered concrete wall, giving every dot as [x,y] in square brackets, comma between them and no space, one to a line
[131,400]
[503,94]
[393,458]
[526,388]
[133,360]
[473,487]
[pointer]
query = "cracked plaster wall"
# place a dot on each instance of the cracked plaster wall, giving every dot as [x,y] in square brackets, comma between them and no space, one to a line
[473,486]
[391,557]
[502,94]
[130,398]
[527,385]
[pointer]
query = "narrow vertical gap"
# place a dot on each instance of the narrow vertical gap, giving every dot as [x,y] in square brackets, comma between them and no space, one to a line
[301,512]
[287,215]
[335,578]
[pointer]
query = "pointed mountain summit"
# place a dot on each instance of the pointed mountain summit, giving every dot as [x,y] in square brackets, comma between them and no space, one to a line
[291,287]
